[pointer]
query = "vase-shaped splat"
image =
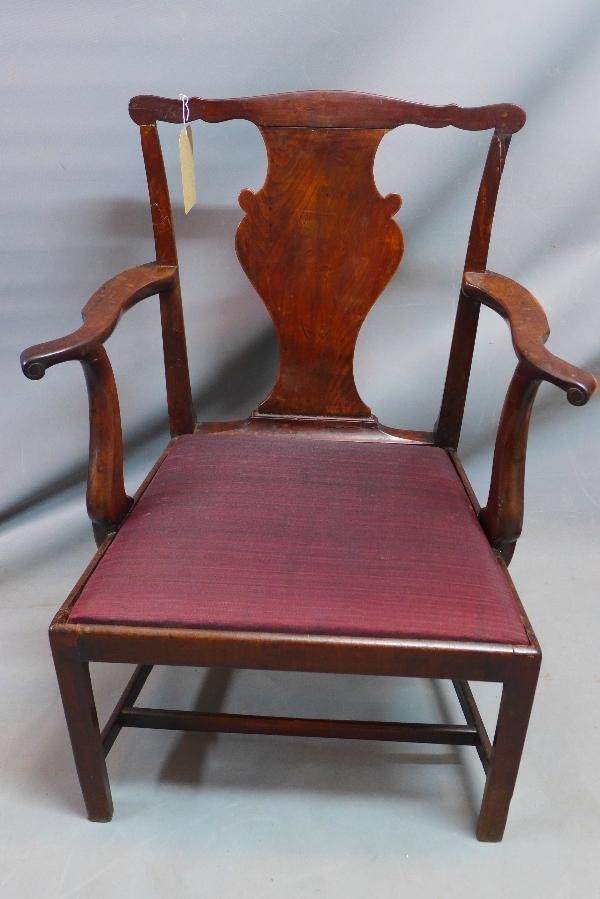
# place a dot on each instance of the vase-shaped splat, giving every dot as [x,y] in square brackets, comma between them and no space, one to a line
[319,244]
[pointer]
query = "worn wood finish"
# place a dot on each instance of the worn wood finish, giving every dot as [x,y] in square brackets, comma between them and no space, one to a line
[513,718]
[288,652]
[474,719]
[182,418]
[467,314]
[319,244]
[82,721]
[502,517]
[268,725]
[158,192]
[318,281]
[135,685]
[529,330]
[329,109]
[100,315]
[177,375]
[334,428]
[107,501]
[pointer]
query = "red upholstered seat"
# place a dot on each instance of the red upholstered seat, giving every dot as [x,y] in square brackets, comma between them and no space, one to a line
[301,535]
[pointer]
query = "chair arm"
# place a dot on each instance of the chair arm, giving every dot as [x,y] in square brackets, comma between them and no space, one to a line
[107,501]
[502,517]
[530,330]
[100,317]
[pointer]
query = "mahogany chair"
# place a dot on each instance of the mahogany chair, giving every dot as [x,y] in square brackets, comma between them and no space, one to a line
[308,537]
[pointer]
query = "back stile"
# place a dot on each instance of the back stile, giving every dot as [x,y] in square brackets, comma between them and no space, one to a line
[177,377]
[467,314]
[158,190]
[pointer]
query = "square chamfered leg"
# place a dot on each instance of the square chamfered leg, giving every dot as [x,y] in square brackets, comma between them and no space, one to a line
[82,721]
[511,729]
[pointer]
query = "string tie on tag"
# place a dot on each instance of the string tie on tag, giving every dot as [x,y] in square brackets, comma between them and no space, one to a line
[185,109]
[186,156]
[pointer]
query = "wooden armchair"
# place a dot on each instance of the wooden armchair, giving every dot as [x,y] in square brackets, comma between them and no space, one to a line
[308,537]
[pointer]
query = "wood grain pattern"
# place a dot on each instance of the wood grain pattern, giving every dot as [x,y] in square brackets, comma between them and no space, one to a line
[107,501]
[329,109]
[325,728]
[100,317]
[318,279]
[77,696]
[177,376]
[513,719]
[502,517]
[529,330]
[158,192]
[467,314]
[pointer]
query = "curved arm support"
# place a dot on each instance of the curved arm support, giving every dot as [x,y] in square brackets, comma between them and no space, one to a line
[100,317]
[502,517]
[107,502]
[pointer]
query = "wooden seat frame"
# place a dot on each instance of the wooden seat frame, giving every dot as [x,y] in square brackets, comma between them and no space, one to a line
[323,142]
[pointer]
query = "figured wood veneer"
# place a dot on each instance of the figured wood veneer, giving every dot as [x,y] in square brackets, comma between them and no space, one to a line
[318,244]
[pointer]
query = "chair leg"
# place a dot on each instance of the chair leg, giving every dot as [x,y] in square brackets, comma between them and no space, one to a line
[511,729]
[82,721]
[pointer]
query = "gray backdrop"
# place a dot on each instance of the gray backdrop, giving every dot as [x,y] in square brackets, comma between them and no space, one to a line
[307,818]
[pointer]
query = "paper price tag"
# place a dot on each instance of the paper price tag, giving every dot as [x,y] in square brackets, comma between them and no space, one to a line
[188,173]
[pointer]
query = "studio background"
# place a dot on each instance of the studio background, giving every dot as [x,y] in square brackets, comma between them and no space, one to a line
[247,815]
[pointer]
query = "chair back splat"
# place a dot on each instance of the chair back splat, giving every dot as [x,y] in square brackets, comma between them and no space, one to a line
[318,241]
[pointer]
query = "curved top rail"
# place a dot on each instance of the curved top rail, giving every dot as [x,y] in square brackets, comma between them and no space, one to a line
[329,109]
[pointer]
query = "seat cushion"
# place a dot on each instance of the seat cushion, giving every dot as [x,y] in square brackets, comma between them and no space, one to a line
[302,535]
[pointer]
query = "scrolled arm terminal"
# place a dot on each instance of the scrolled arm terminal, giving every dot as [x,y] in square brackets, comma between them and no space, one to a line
[530,330]
[107,501]
[100,317]
[502,517]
